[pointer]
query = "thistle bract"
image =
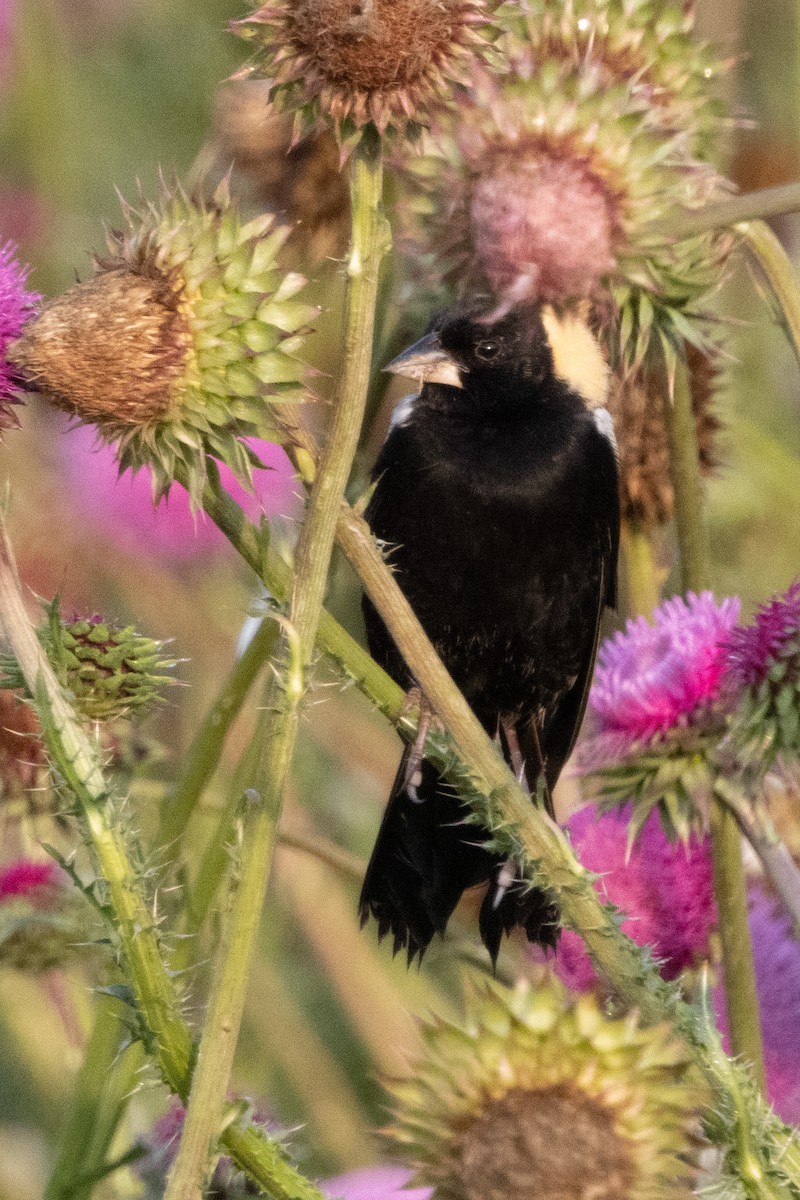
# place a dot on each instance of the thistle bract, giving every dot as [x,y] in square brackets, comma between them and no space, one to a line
[762,666]
[548,181]
[182,343]
[110,671]
[383,62]
[485,1114]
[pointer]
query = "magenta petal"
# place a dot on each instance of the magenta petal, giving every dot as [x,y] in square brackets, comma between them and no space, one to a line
[753,649]
[26,877]
[374,1183]
[665,890]
[121,507]
[658,673]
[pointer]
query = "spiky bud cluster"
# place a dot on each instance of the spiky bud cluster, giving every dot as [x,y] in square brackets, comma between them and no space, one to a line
[763,673]
[542,1096]
[111,671]
[44,921]
[182,343]
[382,62]
[548,181]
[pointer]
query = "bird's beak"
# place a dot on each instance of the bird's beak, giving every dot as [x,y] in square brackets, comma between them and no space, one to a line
[427,362]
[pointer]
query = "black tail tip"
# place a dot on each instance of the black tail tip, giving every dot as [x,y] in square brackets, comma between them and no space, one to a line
[519,904]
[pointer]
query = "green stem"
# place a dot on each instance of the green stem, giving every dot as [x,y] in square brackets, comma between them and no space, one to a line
[752,206]
[779,272]
[165,1032]
[276,575]
[643,590]
[203,756]
[730,889]
[368,244]
[103,1086]
[687,482]
[206,1105]
[282,710]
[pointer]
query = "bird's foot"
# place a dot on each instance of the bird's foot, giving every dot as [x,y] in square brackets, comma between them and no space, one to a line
[415,699]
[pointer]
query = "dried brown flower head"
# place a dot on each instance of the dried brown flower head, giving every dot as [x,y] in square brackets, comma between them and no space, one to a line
[361,61]
[636,402]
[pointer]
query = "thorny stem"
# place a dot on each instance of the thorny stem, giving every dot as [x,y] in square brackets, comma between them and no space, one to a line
[165,1032]
[779,272]
[204,1113]
[285,690]
[730,888]
[368,244]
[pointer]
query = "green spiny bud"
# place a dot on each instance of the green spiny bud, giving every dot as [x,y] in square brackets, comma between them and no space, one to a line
[538,1095]
[110,671]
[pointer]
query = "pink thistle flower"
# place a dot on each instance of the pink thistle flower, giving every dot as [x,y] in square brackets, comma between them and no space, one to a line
[774,635]
[32,879]
[375,1183]
[16,306]
[663,887]
[530,244]
[776,954]
[121,507]
[657,675]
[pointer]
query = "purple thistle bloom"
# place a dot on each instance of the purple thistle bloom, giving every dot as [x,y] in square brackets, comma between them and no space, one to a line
[776,954]
[774,634]
[663,888]
[16,306]
[33,879]
[657,675]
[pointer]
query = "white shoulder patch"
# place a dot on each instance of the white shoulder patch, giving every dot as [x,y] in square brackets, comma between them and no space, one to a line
[605,424]
[401,413]
[577,357]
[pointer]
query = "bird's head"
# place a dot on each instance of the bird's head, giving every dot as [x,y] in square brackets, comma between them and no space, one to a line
[501,356]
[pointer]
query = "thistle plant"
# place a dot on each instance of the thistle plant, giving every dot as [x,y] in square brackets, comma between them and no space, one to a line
[175,347]
[188,341]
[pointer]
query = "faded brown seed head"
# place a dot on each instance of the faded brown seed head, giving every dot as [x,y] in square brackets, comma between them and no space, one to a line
[636,403]
[361,61]
[373,44]
[110,348]
[554,1143]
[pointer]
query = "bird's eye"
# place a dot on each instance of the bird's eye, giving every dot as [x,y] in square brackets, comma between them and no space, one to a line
[486,351]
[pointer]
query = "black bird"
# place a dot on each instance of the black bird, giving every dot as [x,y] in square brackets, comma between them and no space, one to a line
[497,499]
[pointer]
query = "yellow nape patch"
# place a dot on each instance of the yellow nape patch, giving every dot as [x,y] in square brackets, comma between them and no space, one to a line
[577,357]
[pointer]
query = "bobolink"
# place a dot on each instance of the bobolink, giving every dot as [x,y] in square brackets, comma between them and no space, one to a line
[497,499]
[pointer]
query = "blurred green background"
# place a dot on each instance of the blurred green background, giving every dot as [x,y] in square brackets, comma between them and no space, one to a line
[103,94]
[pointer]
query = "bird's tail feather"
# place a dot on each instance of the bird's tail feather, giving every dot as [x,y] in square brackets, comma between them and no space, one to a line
[507,904]
[425,855]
